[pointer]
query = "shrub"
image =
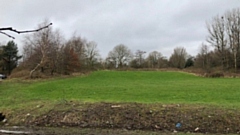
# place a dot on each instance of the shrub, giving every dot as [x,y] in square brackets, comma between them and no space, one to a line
[20,74]
[214,75]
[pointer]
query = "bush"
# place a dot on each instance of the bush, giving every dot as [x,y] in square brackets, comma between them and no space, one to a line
[214,75]
[20,73]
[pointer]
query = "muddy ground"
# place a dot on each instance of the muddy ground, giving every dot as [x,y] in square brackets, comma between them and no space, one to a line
[77,131]
[124,118]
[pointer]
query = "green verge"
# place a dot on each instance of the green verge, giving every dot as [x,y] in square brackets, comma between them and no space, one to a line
[123,86]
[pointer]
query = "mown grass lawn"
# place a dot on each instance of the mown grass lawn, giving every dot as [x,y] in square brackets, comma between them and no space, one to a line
[124,86]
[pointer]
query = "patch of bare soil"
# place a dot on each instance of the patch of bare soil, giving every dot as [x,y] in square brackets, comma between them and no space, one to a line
[143,117]
[73,131]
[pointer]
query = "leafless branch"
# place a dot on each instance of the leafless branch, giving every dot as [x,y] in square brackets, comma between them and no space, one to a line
[19,32]
[7,35]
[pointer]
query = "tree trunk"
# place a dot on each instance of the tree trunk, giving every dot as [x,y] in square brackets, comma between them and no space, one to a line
[52,72]
[31,73]
[235,62]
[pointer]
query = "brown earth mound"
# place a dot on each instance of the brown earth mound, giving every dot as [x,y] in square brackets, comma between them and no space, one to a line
[135,116]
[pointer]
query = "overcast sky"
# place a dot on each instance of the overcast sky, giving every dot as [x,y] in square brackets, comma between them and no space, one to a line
[146,25]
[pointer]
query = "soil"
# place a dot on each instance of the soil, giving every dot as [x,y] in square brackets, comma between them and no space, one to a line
[124,118]
[76,131]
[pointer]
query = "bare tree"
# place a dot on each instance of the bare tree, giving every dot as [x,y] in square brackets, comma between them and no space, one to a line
[154,59]
[41,49]
[233,32]
[10,29]
[70,60]
[217,37]
[179,57]
[91,53]
[53,55]
[139,56]
[78,44]
[202,59]
[138,60]
[120,55]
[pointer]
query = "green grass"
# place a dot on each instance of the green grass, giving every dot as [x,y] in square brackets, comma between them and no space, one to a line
[124,86]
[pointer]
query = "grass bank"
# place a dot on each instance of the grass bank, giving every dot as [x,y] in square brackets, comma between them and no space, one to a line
[133,100]
[124,86]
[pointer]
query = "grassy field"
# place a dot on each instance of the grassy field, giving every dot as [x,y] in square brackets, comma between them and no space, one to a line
[210,104]
[124,86]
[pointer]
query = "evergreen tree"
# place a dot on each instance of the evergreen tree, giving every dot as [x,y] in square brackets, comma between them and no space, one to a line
[10,57]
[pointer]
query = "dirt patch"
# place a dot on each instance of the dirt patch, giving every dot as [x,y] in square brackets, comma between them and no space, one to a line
[74,131]
[135,116]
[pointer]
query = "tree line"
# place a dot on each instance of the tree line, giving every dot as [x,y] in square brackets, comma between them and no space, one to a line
[224,37]
[47,51]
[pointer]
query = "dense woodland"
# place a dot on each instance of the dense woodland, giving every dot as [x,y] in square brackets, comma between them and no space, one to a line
[47,52]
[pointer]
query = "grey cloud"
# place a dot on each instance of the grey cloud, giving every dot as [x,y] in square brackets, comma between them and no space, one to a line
[140,24]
